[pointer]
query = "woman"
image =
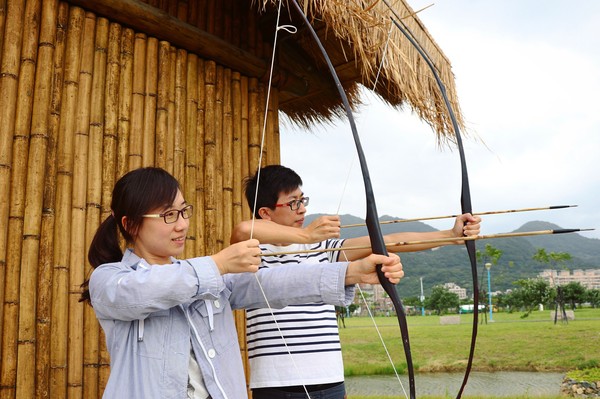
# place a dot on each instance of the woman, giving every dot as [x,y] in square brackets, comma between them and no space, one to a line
[168,323]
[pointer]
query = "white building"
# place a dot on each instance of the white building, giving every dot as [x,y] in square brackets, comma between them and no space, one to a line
[590,278]
[461,292]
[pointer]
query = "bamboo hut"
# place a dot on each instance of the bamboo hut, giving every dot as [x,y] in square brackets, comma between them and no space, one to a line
[90,89]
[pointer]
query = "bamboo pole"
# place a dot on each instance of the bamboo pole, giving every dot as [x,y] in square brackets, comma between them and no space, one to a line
[46,261]
[76,258]
[93,199]
[9,72]
[149,119]
[171,111]
[62,235]
[137,102]
[254,125]
[210,157]
[273,128]
[2,21]
[191,142]
[34,97]
[125,101]
[110,171]
[219,206]
[180,117]
[237,170]
[192,13]
[162,105]
[246,169]
[199,187]
[227,157]
[20,119]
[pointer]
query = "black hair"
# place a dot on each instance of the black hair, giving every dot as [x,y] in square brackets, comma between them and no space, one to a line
[272,182]
[135,194]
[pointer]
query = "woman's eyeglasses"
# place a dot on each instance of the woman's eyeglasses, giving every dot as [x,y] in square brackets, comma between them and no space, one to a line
[295,204]
[172,215]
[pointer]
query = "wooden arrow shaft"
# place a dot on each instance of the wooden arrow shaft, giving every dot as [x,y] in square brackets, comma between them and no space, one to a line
[544,208]
[435,241]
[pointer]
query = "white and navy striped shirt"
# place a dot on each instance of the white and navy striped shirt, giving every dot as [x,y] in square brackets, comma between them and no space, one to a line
[310,332]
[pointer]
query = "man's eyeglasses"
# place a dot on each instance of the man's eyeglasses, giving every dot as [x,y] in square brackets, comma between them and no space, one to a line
[295,204]
[173,215]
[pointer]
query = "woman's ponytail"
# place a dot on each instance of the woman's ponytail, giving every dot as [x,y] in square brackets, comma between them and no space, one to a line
[104,248]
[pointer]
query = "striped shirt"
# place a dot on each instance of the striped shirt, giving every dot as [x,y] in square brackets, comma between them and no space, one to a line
[310,351]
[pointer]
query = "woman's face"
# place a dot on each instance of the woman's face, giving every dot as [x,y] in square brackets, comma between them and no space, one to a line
[157,241]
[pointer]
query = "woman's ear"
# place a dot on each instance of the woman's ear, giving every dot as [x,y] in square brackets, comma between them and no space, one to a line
[124,222]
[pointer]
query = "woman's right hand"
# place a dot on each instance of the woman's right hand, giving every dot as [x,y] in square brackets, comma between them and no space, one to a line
[242,257]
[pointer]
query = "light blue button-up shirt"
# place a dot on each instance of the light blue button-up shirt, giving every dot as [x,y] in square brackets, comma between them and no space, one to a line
[153,315]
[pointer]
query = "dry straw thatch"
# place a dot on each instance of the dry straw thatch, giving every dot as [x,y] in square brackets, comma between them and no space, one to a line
[366,48]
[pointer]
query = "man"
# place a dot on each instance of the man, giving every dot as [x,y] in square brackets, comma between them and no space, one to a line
[308,358]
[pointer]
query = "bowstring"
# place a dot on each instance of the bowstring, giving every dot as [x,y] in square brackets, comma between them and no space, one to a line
[372,317]
[290,29]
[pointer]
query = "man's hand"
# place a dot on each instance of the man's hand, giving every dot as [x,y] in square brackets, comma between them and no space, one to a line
[363,271]
[242,257]
[466,225]
[323,228]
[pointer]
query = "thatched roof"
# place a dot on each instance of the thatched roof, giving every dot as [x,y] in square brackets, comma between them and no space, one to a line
[355,34]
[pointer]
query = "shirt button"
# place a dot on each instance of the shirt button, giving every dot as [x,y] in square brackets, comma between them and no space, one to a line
[217,304]
[212,353]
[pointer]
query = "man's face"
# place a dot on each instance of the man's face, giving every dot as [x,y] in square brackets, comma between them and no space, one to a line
[282,214]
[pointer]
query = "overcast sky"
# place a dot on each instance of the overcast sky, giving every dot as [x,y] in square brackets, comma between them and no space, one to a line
[528,80]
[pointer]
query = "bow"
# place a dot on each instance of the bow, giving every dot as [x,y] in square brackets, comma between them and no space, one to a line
[372,220]
[465,200]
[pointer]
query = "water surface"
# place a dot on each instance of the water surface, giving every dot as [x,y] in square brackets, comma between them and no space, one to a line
[504,383]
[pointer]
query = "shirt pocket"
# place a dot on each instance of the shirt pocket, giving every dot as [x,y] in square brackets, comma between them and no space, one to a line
[151,334]
[223,331]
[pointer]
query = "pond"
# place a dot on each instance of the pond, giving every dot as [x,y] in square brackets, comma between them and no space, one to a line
[497,384]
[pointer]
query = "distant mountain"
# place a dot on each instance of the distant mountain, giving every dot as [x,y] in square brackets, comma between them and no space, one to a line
[451,263]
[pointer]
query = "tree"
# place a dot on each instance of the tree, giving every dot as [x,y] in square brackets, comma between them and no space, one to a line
[441,299]
[490,255]
[533,292]
[593,297]
[554,259]
[574,293]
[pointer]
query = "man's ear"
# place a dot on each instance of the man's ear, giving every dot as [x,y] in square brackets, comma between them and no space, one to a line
[265,213]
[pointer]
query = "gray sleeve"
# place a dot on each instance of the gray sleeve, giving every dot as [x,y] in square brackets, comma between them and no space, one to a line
[123,293]
[290,285]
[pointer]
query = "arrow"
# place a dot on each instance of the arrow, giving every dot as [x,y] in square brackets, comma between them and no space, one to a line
[545,208]
[436,241]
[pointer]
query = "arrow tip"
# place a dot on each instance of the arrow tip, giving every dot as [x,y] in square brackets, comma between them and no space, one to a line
[562,206]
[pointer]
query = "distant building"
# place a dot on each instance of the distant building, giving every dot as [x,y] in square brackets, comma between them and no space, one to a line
[461,292]
[590,278]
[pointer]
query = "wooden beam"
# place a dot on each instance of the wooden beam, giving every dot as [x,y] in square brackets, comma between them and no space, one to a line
[155,22]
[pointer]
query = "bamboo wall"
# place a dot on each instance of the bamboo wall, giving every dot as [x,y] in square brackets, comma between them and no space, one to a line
[82,101]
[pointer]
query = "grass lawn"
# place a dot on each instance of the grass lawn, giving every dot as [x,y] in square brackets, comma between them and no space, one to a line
[509,343]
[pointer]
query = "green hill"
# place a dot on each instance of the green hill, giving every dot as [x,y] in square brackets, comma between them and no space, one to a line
[451,263]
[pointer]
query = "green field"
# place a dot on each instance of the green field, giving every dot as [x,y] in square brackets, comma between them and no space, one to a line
[509,343]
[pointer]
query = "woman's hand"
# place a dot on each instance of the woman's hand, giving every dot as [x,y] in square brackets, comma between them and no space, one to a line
[364,270]
[242,257]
